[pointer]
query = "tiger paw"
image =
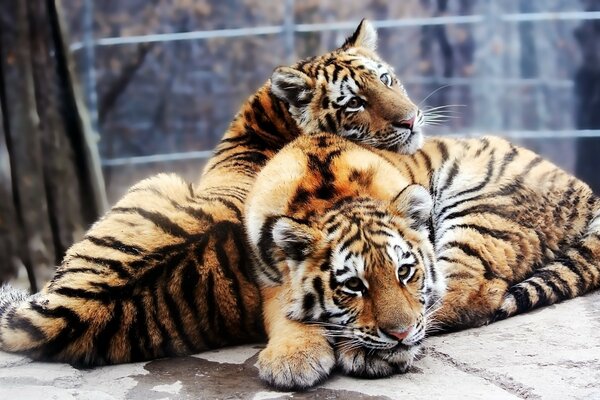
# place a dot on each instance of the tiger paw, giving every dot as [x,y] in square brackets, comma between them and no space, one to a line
[296,364]
[363,363]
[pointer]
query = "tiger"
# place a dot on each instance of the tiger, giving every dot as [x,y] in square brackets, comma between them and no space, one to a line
[167,270]
[361,252]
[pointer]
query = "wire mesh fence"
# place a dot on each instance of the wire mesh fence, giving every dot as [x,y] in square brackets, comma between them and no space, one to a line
[163,94]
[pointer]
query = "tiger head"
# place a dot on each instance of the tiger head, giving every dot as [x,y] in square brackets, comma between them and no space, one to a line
[351,92]
[364,271]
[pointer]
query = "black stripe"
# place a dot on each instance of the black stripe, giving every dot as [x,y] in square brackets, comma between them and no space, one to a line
[449,178]
[494,233]
[73,329]
[113,243]
[541,293]
[330,123]
[256,158]
[175,314]
[308,302]
[265,245]
[190,280]
[429,265]
[22,323]
[318,286]
[484,144]
[139,332]
[105,336]
[471,252]
[575,268]
[561,288]
[529,167]
[244,264]
[260,116]
[508,158]
[227,203]
[62,271]
[166,343]
[221,238]
[522,300]
[427,160]
[113,265]
[158,219]
[103,297]
[211,303]
[488,176]
[443,149]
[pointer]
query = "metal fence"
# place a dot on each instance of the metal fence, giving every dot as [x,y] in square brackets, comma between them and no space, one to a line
[288,31]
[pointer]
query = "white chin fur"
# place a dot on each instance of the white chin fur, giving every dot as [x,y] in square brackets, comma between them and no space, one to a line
[412,144]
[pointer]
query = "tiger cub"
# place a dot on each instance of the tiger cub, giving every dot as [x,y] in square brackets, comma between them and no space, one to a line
[167,270]
[359,250]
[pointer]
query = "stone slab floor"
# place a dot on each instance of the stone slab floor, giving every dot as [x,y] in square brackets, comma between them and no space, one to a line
[551,353]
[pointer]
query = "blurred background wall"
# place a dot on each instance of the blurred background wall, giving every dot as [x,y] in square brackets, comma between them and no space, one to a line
[165,77]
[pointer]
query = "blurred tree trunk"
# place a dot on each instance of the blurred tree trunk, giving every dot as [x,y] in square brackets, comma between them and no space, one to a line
[51,187]
[587,94]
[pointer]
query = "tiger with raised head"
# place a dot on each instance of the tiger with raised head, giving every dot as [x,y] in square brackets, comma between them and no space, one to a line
[167,271]
[360,250]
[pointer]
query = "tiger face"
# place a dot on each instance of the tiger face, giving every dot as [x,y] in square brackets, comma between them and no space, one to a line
[365,272]
[353,93]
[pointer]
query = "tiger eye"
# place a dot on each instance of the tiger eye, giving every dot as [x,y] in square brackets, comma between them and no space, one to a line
[404,271]
[355,284]
[354,102]
[386,79]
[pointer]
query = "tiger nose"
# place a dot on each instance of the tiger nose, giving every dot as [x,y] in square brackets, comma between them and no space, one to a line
[400,335]
[406,123]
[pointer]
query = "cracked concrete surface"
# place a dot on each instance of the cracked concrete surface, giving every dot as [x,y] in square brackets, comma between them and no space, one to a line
[551,353]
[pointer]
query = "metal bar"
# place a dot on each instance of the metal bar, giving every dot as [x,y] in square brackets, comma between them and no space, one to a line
[524,134]
[194,35]
[392,23]
[202,155]
[89,59]
[337,26]
[560,83]
[288,31]
[157,158]
[551,16]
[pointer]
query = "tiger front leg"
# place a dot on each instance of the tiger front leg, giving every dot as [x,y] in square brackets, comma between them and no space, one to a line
[298,356]
[368,363]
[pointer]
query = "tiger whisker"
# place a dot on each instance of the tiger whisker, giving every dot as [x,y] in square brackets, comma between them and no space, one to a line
[432,93]
[427,109]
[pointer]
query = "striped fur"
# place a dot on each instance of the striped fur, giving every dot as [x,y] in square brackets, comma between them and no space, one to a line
[167,271]
[341,241]
[512,231]
[494,231]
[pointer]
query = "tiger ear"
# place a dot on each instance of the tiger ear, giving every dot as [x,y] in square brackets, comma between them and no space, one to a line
[295,239]
[415,203]
[365,36]
[292,86]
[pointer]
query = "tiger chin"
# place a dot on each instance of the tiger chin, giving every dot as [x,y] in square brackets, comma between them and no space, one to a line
[344,262]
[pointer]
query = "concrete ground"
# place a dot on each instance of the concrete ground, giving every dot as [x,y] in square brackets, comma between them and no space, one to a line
[552,353]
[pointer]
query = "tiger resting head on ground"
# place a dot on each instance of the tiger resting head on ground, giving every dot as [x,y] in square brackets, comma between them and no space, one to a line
[343,249]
